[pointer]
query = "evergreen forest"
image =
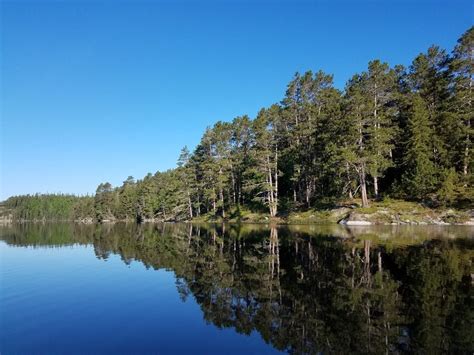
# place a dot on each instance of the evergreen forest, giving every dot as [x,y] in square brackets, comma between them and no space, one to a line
[393,132]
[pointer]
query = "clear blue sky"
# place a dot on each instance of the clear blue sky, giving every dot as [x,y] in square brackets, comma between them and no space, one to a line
[96,91]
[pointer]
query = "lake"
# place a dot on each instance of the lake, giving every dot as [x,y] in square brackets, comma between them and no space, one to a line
[229,289]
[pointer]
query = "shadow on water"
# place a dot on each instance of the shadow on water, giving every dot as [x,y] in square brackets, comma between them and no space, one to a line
[305,289]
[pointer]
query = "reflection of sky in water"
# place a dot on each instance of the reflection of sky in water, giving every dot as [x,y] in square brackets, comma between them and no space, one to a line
[66,300]
[76,288]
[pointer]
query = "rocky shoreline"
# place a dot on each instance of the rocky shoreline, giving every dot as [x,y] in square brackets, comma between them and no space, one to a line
[390,217]
[406,214]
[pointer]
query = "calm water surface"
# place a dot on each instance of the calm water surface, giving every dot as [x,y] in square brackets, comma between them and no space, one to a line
[200,289]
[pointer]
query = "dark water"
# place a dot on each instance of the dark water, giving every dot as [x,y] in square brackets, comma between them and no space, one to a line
[235,290]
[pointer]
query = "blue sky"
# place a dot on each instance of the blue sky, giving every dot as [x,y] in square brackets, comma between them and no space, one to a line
[94,91]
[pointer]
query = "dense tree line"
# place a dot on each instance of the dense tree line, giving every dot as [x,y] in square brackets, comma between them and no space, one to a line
[403,132]
[60,207]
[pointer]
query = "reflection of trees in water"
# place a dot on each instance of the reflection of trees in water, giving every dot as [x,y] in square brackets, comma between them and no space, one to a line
[303,292]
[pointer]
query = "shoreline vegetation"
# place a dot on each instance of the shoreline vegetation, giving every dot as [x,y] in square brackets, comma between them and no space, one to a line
[348,214]
[393,147]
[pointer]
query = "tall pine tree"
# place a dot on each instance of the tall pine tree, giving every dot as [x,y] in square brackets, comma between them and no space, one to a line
[419,178]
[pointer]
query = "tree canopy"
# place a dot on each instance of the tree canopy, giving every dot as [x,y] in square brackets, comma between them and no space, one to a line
[393,131]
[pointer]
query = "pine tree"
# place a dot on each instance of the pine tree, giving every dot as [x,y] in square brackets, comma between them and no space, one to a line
[186,173]
[462,66]
[146,198]
[379,91]
[221,140]
[354,151]
[447,193]
[265,155]
[419,178]
[208,170]
[240,160]
[429,77]
[104,202]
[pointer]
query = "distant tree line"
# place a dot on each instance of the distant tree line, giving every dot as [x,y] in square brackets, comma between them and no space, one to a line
[403,132]
[59,207]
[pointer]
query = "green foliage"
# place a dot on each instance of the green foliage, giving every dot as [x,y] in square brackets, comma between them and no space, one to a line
[105,201]
[447,194]
[419,178]
[397,131]
[462,67]
[49,207]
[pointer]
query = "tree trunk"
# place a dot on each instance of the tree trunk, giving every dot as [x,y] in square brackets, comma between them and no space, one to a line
[276,181]
[379,261]
[221,193]
[308,193]
[270,191]
[361,170]
[234,197]
[198,206]
[348,175]
[466,157]
[363,188]
[466,149]
[376,186]
[190,206]
[468,138]
[239,198]
[377,127]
